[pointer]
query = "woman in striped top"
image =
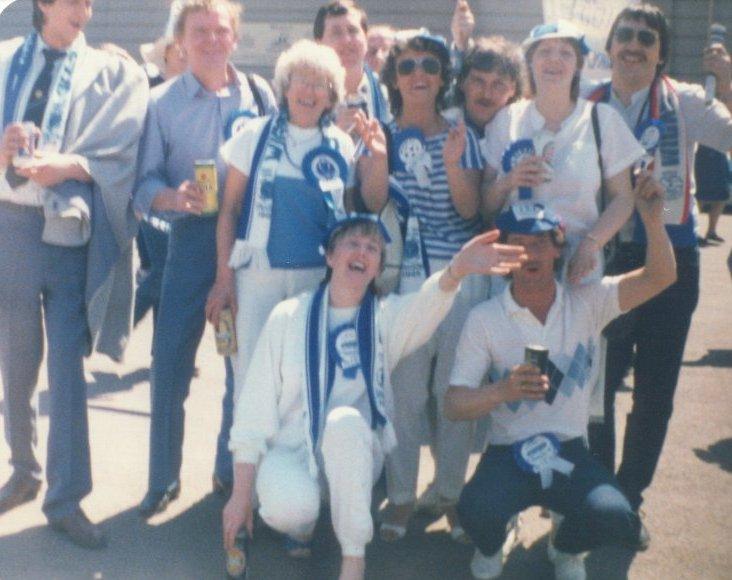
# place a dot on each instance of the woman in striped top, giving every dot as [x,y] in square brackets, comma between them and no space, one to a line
[435,172]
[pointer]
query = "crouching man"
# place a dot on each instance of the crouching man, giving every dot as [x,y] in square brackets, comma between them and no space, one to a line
[536,453]
[315,410]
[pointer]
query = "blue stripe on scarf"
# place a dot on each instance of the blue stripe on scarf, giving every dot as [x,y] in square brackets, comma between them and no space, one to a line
[245,219]
[19,68]
[376,97]
[403,207]
[312,360]
[366,348]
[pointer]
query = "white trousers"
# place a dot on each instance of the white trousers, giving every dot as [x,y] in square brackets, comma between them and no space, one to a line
[428,369]
[289,497]
[258,291]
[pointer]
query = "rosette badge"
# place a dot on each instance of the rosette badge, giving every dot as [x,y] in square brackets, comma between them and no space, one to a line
[513,155]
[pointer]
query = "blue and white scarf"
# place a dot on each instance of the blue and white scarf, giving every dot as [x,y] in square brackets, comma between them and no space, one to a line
[671,165]
[59,100]
[256,216]
[318,368]
[415,267]
[380,107]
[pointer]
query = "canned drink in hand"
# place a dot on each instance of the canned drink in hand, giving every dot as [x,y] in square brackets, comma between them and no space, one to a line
[25,155]
[237,558]
[208,182]
[226,333]
[538,356]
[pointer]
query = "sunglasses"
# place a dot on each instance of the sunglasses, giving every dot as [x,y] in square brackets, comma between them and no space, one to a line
[625,34]
[429,64]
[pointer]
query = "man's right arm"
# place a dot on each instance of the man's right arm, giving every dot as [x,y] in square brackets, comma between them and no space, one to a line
[659,271]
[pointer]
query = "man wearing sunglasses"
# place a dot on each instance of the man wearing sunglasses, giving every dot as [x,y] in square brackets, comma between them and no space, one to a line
[669,118]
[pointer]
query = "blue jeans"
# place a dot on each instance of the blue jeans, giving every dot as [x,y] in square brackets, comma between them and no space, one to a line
[657,337]
[190,270]
[595,510]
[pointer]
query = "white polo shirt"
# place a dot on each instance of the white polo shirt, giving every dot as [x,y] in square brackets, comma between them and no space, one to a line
[493,341]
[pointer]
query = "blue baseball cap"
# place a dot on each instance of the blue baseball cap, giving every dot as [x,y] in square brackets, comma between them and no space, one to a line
[528,218]
[357,218]
[439,42]
[561,29]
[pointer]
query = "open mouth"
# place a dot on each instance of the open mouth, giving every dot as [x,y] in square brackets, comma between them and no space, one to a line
[357,266]
[632,57]
[305,103]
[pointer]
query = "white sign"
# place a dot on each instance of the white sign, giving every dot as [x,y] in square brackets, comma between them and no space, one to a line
[260,43]
[593,18]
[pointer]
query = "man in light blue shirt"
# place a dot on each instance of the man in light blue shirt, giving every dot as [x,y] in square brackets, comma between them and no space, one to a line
[189,119]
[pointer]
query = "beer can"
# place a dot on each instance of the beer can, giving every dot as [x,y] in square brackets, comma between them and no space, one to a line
[207,180]
[538,356]
[226,333]
[236,558]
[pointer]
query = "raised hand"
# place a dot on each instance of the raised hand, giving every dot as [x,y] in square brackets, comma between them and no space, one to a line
[454,144]
[482,255]
[371,133]
[462,25]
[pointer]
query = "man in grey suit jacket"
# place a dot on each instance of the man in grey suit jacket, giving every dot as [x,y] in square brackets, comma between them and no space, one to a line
[66,226]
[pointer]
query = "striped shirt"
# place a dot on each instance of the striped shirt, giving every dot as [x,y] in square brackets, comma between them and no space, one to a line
[442,228]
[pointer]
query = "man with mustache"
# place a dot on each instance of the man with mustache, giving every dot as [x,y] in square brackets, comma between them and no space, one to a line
[669,118]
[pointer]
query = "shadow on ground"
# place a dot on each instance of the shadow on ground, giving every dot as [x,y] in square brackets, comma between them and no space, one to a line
[714,358]
[719,453]
[189,547]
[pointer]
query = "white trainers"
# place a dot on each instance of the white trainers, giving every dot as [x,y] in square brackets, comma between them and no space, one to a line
[486,567]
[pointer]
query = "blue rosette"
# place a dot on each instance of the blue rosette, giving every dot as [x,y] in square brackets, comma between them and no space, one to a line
[649,134]
[513,154]
[407,144]
[236,121]
[325,169]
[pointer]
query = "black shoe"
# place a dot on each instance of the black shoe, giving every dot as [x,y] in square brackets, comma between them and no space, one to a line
[18,490]
[714,238]
[156,502]
[77,528]
[219,487]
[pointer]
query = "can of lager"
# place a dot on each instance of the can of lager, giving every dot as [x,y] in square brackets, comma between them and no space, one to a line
[236,558]
[207,180]
[538,356]
[226,333]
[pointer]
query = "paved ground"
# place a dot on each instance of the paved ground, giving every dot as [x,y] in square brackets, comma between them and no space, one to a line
[689,508]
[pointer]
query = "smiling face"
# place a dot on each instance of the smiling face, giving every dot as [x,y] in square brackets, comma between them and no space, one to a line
[542,254]
[417,87]
[308,96]
[344,35]
[208,39]
[64,20]
[630,57]
[355,259]
[485,94]
[553,65]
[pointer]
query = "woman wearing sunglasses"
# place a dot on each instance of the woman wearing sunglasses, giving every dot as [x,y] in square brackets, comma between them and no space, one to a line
[435,171]
[288,176]
[545,148]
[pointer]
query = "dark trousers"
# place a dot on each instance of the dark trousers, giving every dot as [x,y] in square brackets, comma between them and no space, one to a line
[188,275]
[595,510]
[155,245]
[658,335]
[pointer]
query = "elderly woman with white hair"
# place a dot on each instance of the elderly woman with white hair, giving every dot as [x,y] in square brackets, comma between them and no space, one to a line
[289,175]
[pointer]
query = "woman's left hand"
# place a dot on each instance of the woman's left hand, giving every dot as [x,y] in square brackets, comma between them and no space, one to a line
[454,145]
[370,131]
[583,261]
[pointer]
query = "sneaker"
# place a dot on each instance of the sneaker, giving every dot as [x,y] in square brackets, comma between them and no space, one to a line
[486,567]
[569,566]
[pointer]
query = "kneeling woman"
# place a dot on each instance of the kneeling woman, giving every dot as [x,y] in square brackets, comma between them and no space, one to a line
[315,411]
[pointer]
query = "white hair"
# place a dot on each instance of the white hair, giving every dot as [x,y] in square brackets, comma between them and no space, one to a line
[310,55]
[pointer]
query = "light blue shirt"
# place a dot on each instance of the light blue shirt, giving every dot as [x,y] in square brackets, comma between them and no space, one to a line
[185,123]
